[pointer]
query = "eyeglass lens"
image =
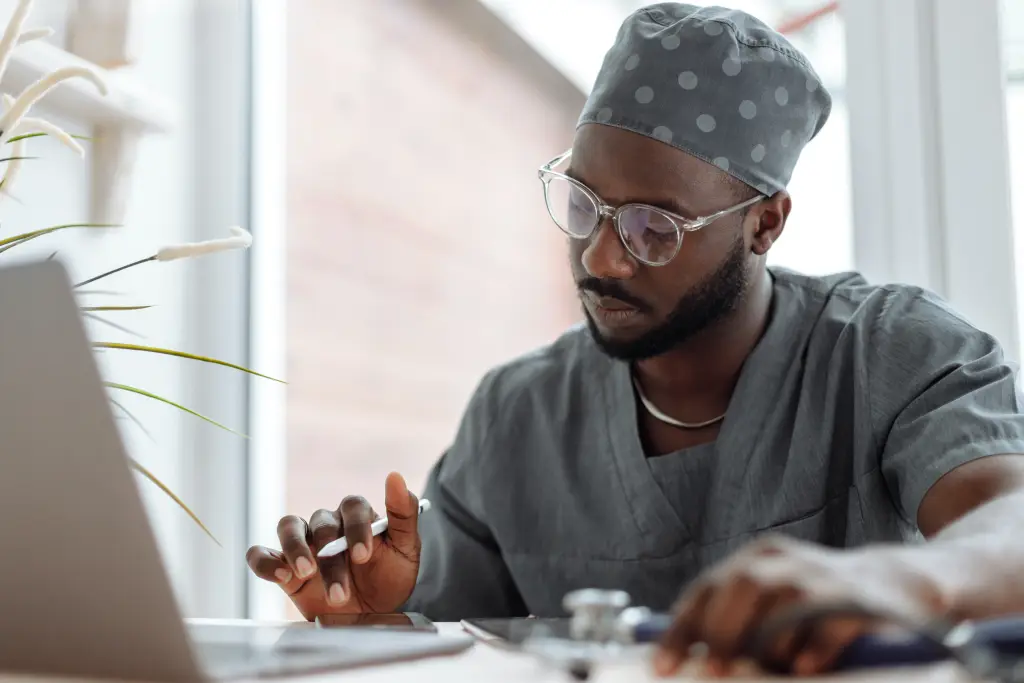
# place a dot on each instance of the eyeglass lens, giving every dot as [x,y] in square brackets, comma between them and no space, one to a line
[648,234]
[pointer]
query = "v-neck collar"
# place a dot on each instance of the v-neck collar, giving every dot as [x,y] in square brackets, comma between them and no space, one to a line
[760,377]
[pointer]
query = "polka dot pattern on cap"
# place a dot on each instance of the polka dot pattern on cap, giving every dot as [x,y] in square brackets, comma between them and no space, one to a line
[688,80]
[713,82]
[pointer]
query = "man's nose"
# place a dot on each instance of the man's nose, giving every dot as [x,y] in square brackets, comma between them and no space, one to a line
[606,256]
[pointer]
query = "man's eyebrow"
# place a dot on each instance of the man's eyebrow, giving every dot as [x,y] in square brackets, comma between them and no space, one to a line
[670,205]
[674,206]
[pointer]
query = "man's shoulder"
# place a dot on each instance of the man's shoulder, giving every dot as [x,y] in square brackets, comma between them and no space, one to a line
[848,299]
[548,370]
[552,387]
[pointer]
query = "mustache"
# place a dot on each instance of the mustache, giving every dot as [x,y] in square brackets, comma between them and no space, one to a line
[610,288]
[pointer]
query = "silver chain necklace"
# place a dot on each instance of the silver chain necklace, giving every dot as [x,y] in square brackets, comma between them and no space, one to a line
[657,414]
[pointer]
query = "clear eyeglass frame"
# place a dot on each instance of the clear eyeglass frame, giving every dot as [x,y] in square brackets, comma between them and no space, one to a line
[604,211]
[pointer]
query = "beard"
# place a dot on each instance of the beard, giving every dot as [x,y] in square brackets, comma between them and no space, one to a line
[712,299]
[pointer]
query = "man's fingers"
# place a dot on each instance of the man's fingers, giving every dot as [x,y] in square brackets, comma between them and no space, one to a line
[356,516]
[268,564]
[403,516]
[731,616]
[682,634]
[324,527]
[775,646]
[337,580]
[826,644]
[293,533]
[271,565]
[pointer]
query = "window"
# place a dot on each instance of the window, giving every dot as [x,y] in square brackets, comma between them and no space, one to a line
[819,234]
[1013,50]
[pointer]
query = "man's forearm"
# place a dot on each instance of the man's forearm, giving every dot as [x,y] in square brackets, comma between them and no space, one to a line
[977,561]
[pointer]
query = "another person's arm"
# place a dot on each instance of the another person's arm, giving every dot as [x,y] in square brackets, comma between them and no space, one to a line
[952,433]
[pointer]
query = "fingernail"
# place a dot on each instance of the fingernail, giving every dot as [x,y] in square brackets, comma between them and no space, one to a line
[337,594]
[359,552]
[664,662]
[304,567]
[283,575]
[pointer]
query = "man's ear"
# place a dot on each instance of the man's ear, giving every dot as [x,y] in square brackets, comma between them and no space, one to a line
[769,219]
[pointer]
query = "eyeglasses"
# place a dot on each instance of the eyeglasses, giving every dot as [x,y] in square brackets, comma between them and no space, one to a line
[653,236]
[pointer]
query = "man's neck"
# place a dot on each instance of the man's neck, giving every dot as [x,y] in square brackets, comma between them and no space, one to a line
[708,364]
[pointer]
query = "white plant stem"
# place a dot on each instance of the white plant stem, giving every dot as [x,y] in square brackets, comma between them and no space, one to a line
[33,93]
[240,239]
[11,34]
[34,34]
[31,124]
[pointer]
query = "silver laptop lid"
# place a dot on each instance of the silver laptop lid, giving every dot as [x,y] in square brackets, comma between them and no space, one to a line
[83,590]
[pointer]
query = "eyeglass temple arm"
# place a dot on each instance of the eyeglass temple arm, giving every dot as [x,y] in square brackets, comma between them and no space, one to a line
[704,220]
[556,161]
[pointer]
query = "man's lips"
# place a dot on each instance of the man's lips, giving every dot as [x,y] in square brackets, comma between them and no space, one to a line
[610,303]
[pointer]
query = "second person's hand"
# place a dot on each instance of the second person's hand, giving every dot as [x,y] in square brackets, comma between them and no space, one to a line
[376,574]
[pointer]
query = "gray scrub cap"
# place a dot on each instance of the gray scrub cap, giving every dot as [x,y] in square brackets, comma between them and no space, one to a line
[716,83]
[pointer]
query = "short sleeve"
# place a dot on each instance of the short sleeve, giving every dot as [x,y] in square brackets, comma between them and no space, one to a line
[942,394]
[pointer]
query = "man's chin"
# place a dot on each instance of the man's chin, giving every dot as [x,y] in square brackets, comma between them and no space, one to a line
[621,344]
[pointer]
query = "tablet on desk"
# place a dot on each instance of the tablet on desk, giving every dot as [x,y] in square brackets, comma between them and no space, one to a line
[513,632]
[399,621]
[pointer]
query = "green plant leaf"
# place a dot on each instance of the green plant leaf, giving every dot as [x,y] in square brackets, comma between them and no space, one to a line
[94,309]
[17,158]
[10,242]
[181,354]
[43,135]
[115,270]
[163,487]
[143,392]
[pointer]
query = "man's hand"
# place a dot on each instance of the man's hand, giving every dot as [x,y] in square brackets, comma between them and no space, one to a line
[373,575]
[725,608]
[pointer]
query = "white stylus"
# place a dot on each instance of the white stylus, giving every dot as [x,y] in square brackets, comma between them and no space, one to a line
[376,529]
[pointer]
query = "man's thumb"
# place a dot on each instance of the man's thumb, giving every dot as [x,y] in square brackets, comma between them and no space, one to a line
[402,510]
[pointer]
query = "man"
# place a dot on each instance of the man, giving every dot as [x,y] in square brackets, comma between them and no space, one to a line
[708,402]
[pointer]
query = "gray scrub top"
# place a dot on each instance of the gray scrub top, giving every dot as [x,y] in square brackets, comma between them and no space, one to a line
[853,403]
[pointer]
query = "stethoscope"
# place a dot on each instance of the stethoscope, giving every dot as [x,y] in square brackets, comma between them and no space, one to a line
[603,626]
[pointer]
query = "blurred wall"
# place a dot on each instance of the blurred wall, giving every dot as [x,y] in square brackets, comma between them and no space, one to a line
[419,250]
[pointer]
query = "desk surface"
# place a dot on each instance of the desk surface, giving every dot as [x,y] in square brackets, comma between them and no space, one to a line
[489,664]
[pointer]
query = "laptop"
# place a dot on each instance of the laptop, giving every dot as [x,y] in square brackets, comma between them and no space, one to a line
[83,589]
